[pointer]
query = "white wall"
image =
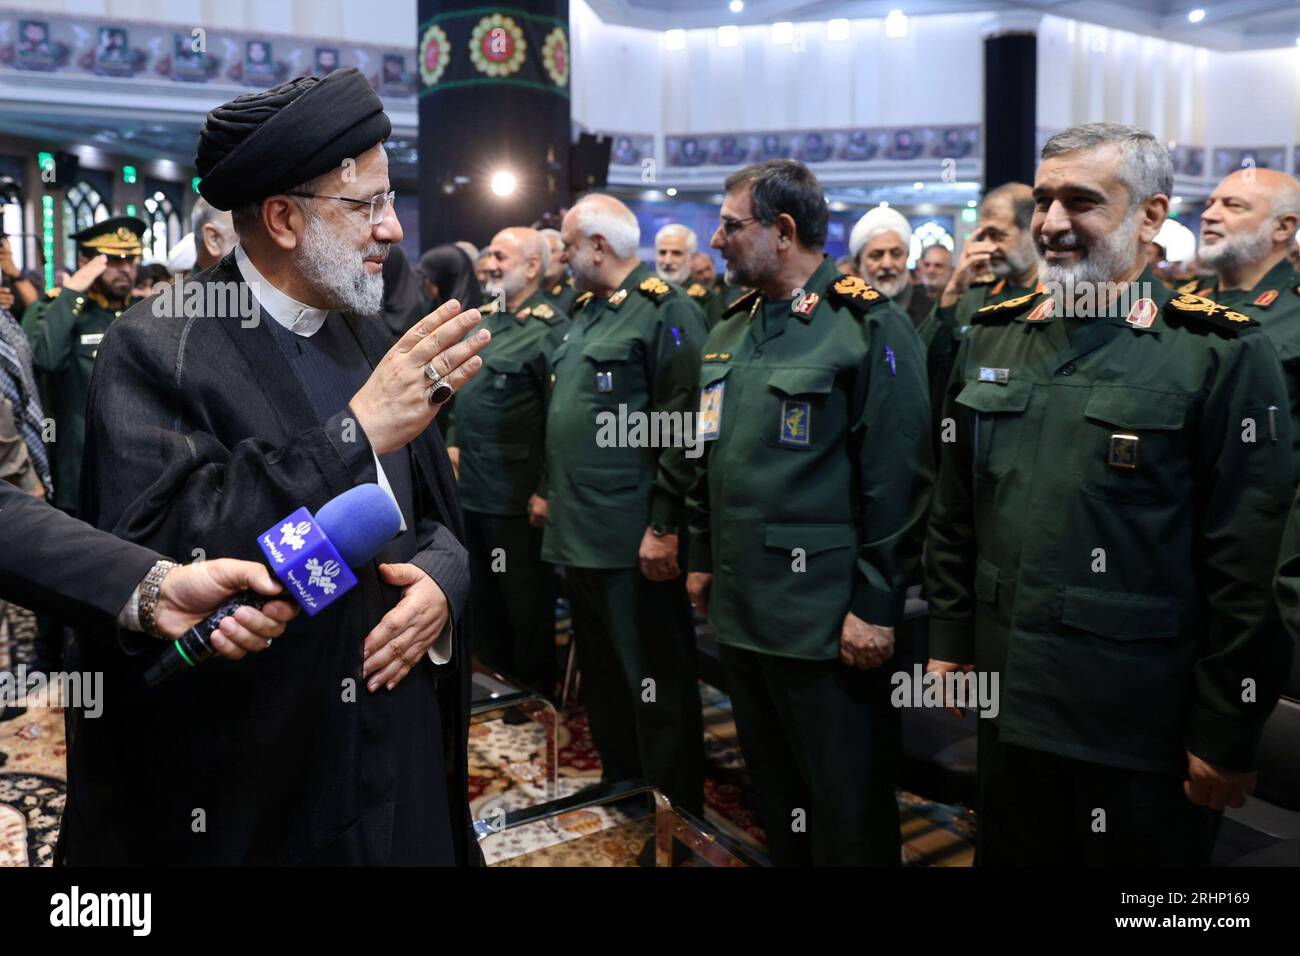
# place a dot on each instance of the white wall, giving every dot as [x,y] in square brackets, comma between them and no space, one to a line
[617,74]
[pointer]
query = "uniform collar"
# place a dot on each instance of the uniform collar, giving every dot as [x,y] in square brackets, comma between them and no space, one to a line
[618,298]
[286,311]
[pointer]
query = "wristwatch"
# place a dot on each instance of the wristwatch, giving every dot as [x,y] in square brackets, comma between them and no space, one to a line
[662,530]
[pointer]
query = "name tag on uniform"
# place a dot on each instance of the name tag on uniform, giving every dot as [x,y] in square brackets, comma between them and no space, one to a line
[710,425]
[796,421]
[604,381]
[1123,451]
[999,375]
[92,338]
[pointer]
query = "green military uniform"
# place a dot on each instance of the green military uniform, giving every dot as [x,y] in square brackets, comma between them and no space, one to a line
[633,353]
[1102,537]
[498,422]
[704,297]
[562,296]
[808,505]
[65,330]
[943,329]
[1274,303]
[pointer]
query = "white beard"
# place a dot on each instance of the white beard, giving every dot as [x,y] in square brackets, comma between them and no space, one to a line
[1233,252]
[892,288]
[682,276]
[336,269]
[1107,260]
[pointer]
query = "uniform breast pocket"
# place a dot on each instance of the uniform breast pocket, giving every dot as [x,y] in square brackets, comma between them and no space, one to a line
[505,377]
[999,424]
[615,377]
[802,409]
[1134,446]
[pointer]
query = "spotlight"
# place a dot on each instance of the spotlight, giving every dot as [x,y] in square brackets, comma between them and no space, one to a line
[736,6]
[1196,16]
[671,190]
[503,183]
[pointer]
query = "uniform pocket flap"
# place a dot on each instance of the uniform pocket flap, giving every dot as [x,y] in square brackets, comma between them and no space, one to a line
[812,538]
[991,397]
[603,479]
[1131,408]
[1121,617]
[607,351]
[710,374]
[986,581]
[503,366]
[802,381]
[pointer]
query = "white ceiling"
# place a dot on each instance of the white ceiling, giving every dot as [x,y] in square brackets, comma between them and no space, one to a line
[1228,24]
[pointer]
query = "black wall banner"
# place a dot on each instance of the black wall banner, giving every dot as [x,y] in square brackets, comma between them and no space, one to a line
[494,97]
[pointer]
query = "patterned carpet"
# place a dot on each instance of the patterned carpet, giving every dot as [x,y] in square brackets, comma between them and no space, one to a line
[507,772]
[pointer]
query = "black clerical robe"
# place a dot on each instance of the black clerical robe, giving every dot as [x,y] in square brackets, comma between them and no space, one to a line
[200,436]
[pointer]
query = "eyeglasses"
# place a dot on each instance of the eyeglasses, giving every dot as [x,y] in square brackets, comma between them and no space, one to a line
[378,203]
[733,226]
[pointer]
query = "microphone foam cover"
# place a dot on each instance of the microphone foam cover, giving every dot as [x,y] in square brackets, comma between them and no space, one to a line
[359,522]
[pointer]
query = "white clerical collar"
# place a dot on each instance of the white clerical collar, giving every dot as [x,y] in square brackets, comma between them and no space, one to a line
[289,312]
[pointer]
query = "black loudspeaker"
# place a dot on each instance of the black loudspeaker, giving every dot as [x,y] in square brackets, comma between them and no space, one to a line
[66,168]
[589,162]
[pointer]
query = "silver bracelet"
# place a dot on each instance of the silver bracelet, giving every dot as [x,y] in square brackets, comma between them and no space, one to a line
[150,591]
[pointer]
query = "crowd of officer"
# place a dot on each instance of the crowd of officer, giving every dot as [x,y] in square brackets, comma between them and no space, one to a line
[1086,470]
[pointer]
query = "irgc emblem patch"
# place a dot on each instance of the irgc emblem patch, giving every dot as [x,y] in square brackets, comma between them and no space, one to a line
[435,54]
[497,46]
[795,421]
[555,56]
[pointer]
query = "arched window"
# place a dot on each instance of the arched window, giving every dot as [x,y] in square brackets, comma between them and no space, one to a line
[164,226]
[82,207]
[928,234]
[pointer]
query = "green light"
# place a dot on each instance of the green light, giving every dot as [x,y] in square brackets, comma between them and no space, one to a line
[195,183]
[130,209]
[128,175]
[968,215]
[46,162]
[47,236]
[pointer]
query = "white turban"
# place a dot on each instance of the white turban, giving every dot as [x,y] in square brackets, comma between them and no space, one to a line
[182,255]
[878,220]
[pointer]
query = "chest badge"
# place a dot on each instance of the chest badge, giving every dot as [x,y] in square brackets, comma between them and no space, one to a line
[1123,451]
[796,420]
[604,381]
[999,375]
[1143,314]
[710,420]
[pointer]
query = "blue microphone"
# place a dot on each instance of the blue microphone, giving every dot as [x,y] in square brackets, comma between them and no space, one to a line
[313,556]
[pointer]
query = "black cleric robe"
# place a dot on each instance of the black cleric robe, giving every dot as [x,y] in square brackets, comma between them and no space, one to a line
[204,431]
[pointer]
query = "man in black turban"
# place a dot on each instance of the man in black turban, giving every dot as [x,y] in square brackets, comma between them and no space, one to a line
[219,407]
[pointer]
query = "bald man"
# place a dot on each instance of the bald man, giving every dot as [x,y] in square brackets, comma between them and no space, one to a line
[496,436]
[1247,230]
[558,286]
[618,500]
[214,234]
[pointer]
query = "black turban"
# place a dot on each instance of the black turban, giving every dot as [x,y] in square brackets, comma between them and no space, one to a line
[264,143]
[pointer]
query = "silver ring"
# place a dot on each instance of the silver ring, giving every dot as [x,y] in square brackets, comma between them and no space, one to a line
[432,374]
[440,393]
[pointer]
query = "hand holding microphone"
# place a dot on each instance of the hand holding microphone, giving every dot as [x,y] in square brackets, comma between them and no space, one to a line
[311,555]
[418,375]
[190,592]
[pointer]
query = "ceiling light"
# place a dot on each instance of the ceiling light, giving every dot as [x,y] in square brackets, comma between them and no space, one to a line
[736,6]
[970,203]
[895,24]
[671,190]
[918,185]
[1196,16]
[503,183]
[837,30]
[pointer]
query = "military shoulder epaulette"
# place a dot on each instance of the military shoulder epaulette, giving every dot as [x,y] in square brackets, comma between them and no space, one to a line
[53,290]
[581,300]
[1004,311]
[987,278]
[655,288]
[1189,286]
[696,291]
[854,292]
[1199,314]
[543,311]
[744,303]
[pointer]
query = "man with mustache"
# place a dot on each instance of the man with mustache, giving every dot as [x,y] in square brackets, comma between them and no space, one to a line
[558,286]
[1247,229]
[880,244]
[496,434]
[65,331]
[345,743]
[1103,531]
[934,269]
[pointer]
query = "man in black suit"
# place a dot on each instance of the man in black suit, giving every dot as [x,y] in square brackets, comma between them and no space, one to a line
[277,388]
